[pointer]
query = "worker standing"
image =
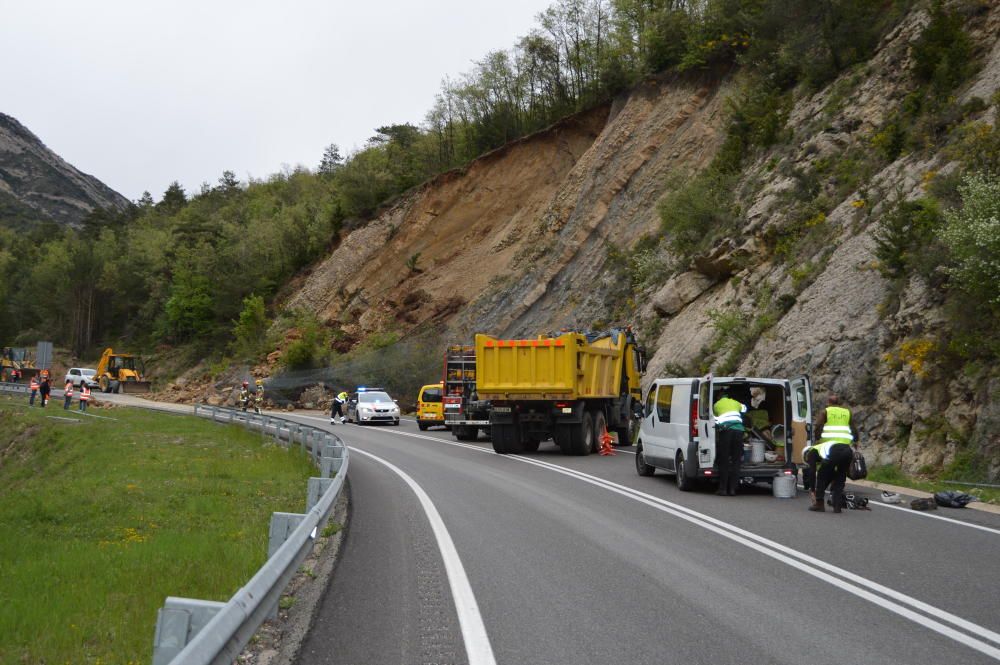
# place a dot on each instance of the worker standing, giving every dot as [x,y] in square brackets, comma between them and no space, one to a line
[830,459]
[67,395]
[33,387]
[729,431]
[44,389]
[337,409]
[245,396]
[84,395]
[258,398]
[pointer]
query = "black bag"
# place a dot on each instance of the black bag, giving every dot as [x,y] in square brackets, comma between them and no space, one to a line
[858,468]
[952,499]
[923,504]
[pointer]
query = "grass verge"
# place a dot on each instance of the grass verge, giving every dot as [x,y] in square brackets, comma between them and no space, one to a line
[103,519]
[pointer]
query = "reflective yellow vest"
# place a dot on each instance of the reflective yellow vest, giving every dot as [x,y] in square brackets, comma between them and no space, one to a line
[728,413]
[838,426]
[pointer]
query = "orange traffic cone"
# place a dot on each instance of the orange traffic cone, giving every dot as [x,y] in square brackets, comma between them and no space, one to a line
[606,448]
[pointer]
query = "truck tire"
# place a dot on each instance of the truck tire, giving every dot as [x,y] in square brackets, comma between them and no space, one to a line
[507,439]
[641,467]
[600,426]
[465,433]
[577,438]
[531,445]
[684,483]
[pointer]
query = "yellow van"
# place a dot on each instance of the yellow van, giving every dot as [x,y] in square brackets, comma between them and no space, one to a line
[430,410]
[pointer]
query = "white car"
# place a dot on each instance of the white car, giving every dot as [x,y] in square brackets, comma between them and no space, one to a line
[78,375]
[372,405]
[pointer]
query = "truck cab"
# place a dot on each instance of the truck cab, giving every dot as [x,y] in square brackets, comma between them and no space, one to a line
[677,432]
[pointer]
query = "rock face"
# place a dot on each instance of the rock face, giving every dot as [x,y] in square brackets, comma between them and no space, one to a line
[38,185]
[531,239]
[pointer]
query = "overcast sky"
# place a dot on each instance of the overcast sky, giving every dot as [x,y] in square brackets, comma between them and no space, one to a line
[141,93]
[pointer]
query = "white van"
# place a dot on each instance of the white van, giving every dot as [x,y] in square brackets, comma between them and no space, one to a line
[677,433]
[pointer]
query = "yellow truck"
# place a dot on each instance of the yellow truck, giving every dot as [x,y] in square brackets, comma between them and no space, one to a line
[121,373]
[571,388]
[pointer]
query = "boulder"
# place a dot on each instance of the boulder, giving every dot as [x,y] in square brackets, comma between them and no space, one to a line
[679,291]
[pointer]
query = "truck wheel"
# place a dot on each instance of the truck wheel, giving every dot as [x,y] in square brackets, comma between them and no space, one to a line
[465,433]
[507,439]
[600,425]
[641,467]
[684,483]
[578,438]
[531,445]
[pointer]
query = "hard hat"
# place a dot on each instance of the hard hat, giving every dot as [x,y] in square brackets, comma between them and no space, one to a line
[260,382]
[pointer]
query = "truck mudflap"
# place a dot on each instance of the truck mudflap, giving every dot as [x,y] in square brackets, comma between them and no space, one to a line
[501,414]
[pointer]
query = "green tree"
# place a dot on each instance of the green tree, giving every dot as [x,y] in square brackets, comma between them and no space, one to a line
[250,330]
[189,309]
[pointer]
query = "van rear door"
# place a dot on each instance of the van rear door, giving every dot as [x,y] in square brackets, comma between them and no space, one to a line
[802,429]
[706,426]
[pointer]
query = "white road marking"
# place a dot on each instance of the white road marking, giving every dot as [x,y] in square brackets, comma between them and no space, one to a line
[477,641]
[918,513]
[852,583]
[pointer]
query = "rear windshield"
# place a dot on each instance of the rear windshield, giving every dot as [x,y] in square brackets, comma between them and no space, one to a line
[431,395]
[374,397]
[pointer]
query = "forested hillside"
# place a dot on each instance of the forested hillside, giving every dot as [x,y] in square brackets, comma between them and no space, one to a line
[761,186]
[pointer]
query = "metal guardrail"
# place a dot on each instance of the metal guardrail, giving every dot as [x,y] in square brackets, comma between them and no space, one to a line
[197,632]
[200,632]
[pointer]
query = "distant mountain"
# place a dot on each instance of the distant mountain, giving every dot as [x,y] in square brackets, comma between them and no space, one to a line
[37,185]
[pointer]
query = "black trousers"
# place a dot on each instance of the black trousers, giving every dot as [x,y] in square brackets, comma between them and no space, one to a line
[728,454]
[335,411]
[832,473]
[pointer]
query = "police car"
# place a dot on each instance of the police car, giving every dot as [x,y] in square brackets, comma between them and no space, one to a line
[372,405]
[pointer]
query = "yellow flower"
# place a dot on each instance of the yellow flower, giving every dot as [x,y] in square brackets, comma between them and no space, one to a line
[858,203]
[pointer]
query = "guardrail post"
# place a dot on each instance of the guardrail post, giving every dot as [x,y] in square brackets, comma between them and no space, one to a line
[177,622]
[317,488]
[282,524]
[332,460]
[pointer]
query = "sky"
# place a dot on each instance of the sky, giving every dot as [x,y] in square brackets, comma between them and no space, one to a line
[141,93]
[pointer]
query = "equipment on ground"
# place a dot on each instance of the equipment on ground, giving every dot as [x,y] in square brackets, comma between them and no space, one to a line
[121,373]
[569,387]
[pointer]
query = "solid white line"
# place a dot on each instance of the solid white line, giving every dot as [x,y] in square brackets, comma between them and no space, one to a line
[918,513]
[770,548]
[477,641]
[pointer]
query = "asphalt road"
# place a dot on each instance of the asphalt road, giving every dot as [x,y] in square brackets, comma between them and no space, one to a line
[579,560]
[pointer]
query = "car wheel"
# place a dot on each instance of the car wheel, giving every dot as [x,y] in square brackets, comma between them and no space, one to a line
[684,483]
[641,467]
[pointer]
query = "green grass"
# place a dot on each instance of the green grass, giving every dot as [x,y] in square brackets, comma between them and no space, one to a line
[102,520]
[892,475]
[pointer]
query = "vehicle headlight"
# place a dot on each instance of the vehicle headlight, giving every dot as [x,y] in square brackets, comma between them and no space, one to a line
[365,409]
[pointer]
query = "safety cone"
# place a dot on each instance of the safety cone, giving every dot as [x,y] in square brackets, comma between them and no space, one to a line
[606,448]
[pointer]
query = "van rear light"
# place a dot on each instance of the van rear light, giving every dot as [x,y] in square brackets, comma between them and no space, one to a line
[788,472]
[708,472]
[694,418]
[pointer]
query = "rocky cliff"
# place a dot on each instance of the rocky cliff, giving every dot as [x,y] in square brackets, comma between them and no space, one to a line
[534,237]
[38,185]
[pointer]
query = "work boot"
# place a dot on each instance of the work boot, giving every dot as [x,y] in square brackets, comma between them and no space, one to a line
[817,506]
[838,502]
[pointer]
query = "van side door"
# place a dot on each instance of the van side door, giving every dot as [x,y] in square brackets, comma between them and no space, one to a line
[800,392]
[652,443]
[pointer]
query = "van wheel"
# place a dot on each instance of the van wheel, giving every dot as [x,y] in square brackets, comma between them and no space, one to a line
[422,425]
[641,467]
[684,483]
[600,426]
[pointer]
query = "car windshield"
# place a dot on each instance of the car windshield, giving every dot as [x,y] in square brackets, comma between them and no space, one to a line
[374,397]
[88,372]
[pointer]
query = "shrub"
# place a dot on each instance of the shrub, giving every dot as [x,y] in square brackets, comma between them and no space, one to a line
[942,53]
[904,237]
[972,236]
[250,330]
[699,212]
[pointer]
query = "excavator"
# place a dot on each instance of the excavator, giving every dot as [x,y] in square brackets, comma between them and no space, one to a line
[19,359]
[121,373]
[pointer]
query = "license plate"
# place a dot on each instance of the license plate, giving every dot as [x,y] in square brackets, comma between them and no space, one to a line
[502,409]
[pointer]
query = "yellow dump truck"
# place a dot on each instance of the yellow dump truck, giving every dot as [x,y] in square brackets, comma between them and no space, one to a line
[570,388]
[121,373]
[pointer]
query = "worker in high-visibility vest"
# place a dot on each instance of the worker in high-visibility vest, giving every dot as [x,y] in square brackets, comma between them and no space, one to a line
[84,396]
[258,397]
[336,410]
[729,431]
[830,459]
[33,387]
[67,395]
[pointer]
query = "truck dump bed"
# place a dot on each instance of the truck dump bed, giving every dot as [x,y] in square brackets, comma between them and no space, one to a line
[567,367]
